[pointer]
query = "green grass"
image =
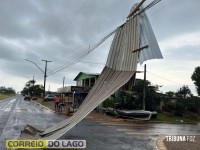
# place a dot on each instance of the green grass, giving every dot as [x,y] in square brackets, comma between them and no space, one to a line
[3,96]
[49,104]
[171,118]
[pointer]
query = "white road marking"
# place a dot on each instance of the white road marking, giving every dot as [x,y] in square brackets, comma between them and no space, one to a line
[7,109]
[8,105]
[7,124]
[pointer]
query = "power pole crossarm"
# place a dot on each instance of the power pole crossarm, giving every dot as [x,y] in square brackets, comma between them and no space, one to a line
[139,49]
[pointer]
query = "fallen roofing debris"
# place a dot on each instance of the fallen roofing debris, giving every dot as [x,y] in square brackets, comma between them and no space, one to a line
[121,65]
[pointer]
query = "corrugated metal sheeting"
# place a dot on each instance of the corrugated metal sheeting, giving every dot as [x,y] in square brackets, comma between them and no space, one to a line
[120,67]
[126,40]
[147,37]
[108,82]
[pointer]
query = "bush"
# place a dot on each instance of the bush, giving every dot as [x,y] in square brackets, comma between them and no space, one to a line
[109,102]
[179,109]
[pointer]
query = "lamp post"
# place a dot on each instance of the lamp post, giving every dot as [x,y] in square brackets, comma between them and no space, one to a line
[45,72]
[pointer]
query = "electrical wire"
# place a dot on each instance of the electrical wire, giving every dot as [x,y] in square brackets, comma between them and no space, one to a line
[72,20]
[92,62]
[75,59]
[80,55]
[149,6]
[164,78]
[146,8]
[86,45]
[162,8]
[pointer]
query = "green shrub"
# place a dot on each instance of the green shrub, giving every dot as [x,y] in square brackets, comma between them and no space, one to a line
[109,102]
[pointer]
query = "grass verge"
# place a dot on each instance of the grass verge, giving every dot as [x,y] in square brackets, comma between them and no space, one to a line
[49,104]
[3,96]
[171,118]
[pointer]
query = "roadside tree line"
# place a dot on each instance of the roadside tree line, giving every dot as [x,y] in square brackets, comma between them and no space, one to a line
[184,100]
[7,90]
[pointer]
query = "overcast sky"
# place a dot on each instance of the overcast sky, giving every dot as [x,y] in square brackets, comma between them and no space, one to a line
[57,29]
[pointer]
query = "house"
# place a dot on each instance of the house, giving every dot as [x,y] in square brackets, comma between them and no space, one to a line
[84,79]
[84,82]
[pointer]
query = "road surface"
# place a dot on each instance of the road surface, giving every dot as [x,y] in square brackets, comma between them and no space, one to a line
[100,134]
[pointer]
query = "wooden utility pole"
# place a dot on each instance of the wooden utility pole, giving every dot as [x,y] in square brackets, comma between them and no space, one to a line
[45,75]
[33,81]
[63,88]
[49,89]
[63,83]
[144,88]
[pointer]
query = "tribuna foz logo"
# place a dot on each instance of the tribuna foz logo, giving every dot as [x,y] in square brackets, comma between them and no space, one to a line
[180,138]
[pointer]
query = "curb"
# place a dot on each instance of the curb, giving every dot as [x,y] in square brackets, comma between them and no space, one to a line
[43,106]
[150,121]
[60,113]
[160,143]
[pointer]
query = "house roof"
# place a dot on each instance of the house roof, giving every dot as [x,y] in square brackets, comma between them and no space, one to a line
[85,75]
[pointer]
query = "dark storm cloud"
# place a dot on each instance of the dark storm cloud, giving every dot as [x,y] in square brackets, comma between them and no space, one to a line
[188,53]
[8,53]
[171,17]
[56,29]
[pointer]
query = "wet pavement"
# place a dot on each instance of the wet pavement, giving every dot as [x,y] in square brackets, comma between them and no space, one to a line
[100,133]
[15,113]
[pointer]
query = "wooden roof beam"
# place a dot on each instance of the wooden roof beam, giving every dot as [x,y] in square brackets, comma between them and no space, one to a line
[141,48]
[136,9]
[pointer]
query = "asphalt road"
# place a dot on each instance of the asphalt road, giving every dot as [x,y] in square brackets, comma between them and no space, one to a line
[100,134]
[15,113]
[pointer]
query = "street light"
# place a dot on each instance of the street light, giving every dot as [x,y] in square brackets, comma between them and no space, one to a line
[35,65]
[45,72]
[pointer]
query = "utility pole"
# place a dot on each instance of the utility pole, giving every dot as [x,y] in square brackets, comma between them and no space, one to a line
[63,88]
[63,83]
[45,75]
[144,88]
[49,88]
[33,81]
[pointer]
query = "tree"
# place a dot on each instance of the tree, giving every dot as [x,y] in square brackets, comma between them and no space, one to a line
[184,91]
[32,89]
[8,90]
[170,94]
[196,78]
[133,99]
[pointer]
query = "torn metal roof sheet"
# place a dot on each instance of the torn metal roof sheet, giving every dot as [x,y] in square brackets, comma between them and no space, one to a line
[121,65]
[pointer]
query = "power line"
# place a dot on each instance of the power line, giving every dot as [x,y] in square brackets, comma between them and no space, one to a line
[79,10]
[72,20]
[80,55]
[164,78]
[162,8]
[92,62]
[88,42]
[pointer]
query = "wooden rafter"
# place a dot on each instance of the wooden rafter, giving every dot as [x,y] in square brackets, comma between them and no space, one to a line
[141,48]
[136,9]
